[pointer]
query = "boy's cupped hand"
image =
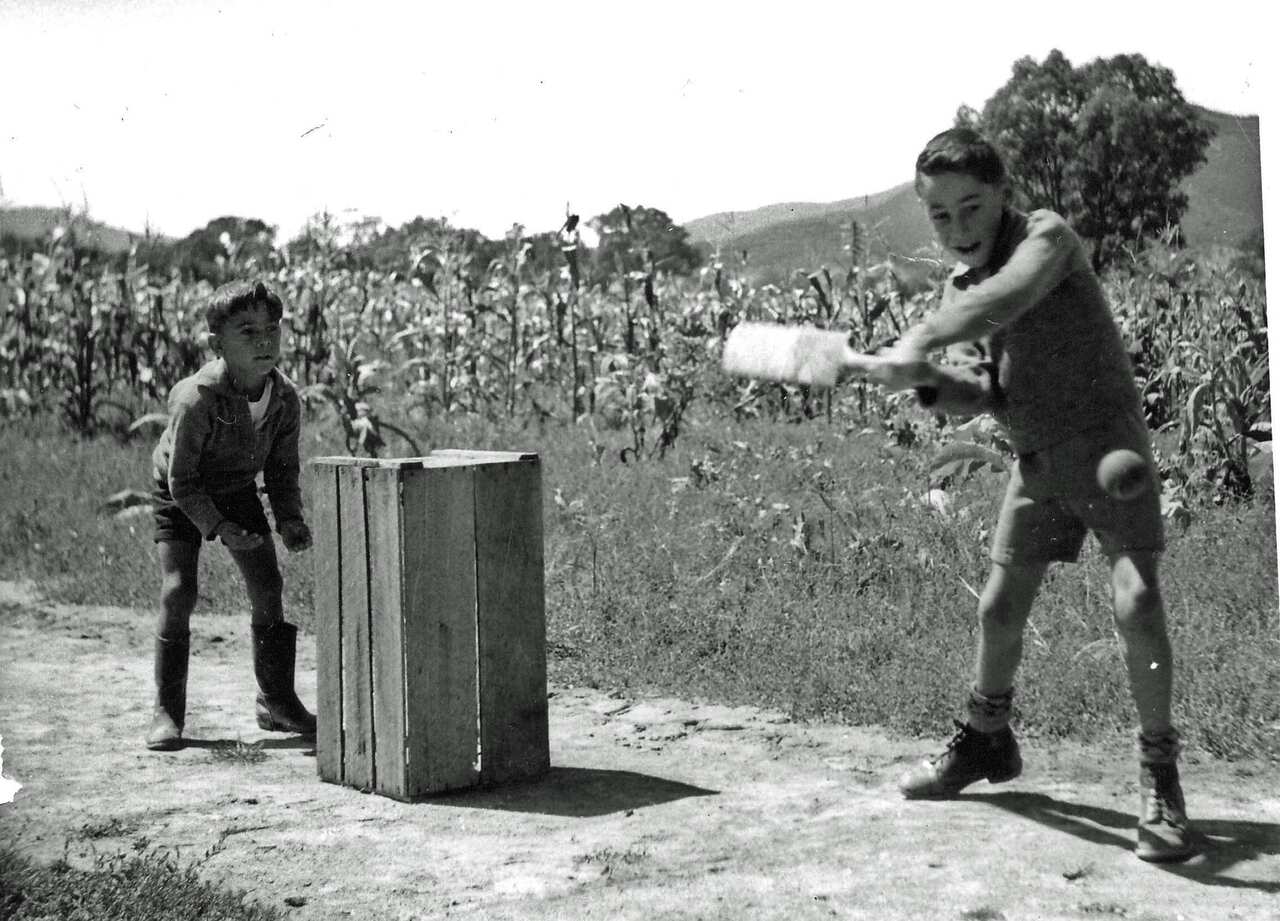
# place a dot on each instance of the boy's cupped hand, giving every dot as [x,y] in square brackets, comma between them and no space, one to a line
[237,538]
[295,535]
[907,366]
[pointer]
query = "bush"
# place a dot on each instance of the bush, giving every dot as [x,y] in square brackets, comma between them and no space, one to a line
[148,885]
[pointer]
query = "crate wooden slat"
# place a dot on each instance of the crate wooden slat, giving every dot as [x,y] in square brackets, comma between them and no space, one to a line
[509,584]
[328,610]
[353,638]
[431,663]
[386,631]
[440,644]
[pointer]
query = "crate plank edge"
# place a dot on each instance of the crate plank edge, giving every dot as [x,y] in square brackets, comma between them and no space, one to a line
[430,621]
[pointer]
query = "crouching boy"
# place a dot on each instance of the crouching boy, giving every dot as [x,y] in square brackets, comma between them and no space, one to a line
[235,418]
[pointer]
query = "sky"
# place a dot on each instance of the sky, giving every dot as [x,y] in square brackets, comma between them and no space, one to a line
[165,115]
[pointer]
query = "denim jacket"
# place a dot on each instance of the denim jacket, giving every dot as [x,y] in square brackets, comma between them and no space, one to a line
[210,446]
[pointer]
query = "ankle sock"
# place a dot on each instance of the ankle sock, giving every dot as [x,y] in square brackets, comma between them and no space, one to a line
[1162,748]
[990,712]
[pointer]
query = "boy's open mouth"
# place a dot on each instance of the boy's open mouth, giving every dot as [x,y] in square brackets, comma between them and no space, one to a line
[968,250]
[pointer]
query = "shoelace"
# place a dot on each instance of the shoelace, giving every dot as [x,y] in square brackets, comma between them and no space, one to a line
[1163,800]
[962,733]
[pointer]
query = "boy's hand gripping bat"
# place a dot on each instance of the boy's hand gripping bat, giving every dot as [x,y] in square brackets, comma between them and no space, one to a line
[812,356]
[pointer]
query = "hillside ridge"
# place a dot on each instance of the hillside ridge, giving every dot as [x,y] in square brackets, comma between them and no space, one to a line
[1224,208]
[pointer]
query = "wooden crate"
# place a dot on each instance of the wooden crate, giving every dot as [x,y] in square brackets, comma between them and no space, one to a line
[431,652]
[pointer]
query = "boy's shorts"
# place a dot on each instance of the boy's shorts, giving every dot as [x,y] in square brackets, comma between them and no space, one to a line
[1053,499]
[242,507]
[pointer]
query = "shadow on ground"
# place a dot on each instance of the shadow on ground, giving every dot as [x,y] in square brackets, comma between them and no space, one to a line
[576,792]
[308,744]
[1223,844]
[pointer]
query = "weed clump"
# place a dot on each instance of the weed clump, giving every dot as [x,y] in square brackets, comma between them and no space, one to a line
[147,885]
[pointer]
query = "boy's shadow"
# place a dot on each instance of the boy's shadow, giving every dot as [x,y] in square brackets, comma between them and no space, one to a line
[1221,844]
[306,743]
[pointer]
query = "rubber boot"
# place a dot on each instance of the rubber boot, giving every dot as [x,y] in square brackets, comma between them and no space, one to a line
[274,654]
[170,712]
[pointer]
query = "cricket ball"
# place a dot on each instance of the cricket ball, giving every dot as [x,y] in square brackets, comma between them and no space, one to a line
[1123,474]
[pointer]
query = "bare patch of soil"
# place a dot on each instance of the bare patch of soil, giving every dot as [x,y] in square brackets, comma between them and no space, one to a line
[654,808]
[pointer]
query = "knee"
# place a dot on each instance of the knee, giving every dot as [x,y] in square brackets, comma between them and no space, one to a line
[178,593]
[999,614]
[1138,605]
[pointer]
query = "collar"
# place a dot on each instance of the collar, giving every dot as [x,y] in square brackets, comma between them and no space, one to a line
[1011,223]
[214,376]
[1012,228]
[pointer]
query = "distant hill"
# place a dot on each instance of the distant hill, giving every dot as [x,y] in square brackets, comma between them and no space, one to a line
[716,228]
[894,219]
[1225,195]
[1225,207]
[35,224]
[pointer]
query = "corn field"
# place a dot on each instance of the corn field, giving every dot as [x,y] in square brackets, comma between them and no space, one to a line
[632,357]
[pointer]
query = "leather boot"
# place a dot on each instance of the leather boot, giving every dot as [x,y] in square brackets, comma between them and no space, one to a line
[274,654]
[170,712]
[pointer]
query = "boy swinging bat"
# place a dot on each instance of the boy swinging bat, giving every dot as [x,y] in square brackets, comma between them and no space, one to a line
[1059,380]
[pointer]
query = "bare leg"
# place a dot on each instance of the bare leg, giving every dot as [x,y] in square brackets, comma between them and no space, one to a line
[1003,610]
[1164,832]
[1140,619]
[985,748]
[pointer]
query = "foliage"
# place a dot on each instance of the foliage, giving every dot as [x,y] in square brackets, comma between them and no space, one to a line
[640,241]
[823,569]
[214,252]
[1105,144]
[146,885]
[94,342]
[502,333]
[1197,330]
[1251,259]
[348,390]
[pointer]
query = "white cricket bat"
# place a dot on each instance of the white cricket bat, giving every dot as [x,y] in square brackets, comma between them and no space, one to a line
[795,354]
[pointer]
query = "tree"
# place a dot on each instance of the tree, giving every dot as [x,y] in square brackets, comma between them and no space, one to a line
[208,253]
[1106,145]
[641,239]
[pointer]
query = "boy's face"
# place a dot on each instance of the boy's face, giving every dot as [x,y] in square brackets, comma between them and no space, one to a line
[965,213]
[249,342]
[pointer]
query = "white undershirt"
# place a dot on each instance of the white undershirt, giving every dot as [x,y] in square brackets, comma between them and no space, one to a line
[258,409]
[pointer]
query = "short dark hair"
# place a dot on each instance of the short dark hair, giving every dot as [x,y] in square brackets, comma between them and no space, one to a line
[235,296]
[961,150]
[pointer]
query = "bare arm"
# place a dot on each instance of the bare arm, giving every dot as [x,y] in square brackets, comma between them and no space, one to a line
[960,390]
[1037,265]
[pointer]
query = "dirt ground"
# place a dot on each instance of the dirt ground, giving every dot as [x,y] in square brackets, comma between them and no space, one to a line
[654,808]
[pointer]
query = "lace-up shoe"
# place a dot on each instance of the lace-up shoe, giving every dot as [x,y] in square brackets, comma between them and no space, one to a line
[969,757]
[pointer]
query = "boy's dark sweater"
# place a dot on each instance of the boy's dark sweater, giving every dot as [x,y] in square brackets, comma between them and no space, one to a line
[1060,360]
